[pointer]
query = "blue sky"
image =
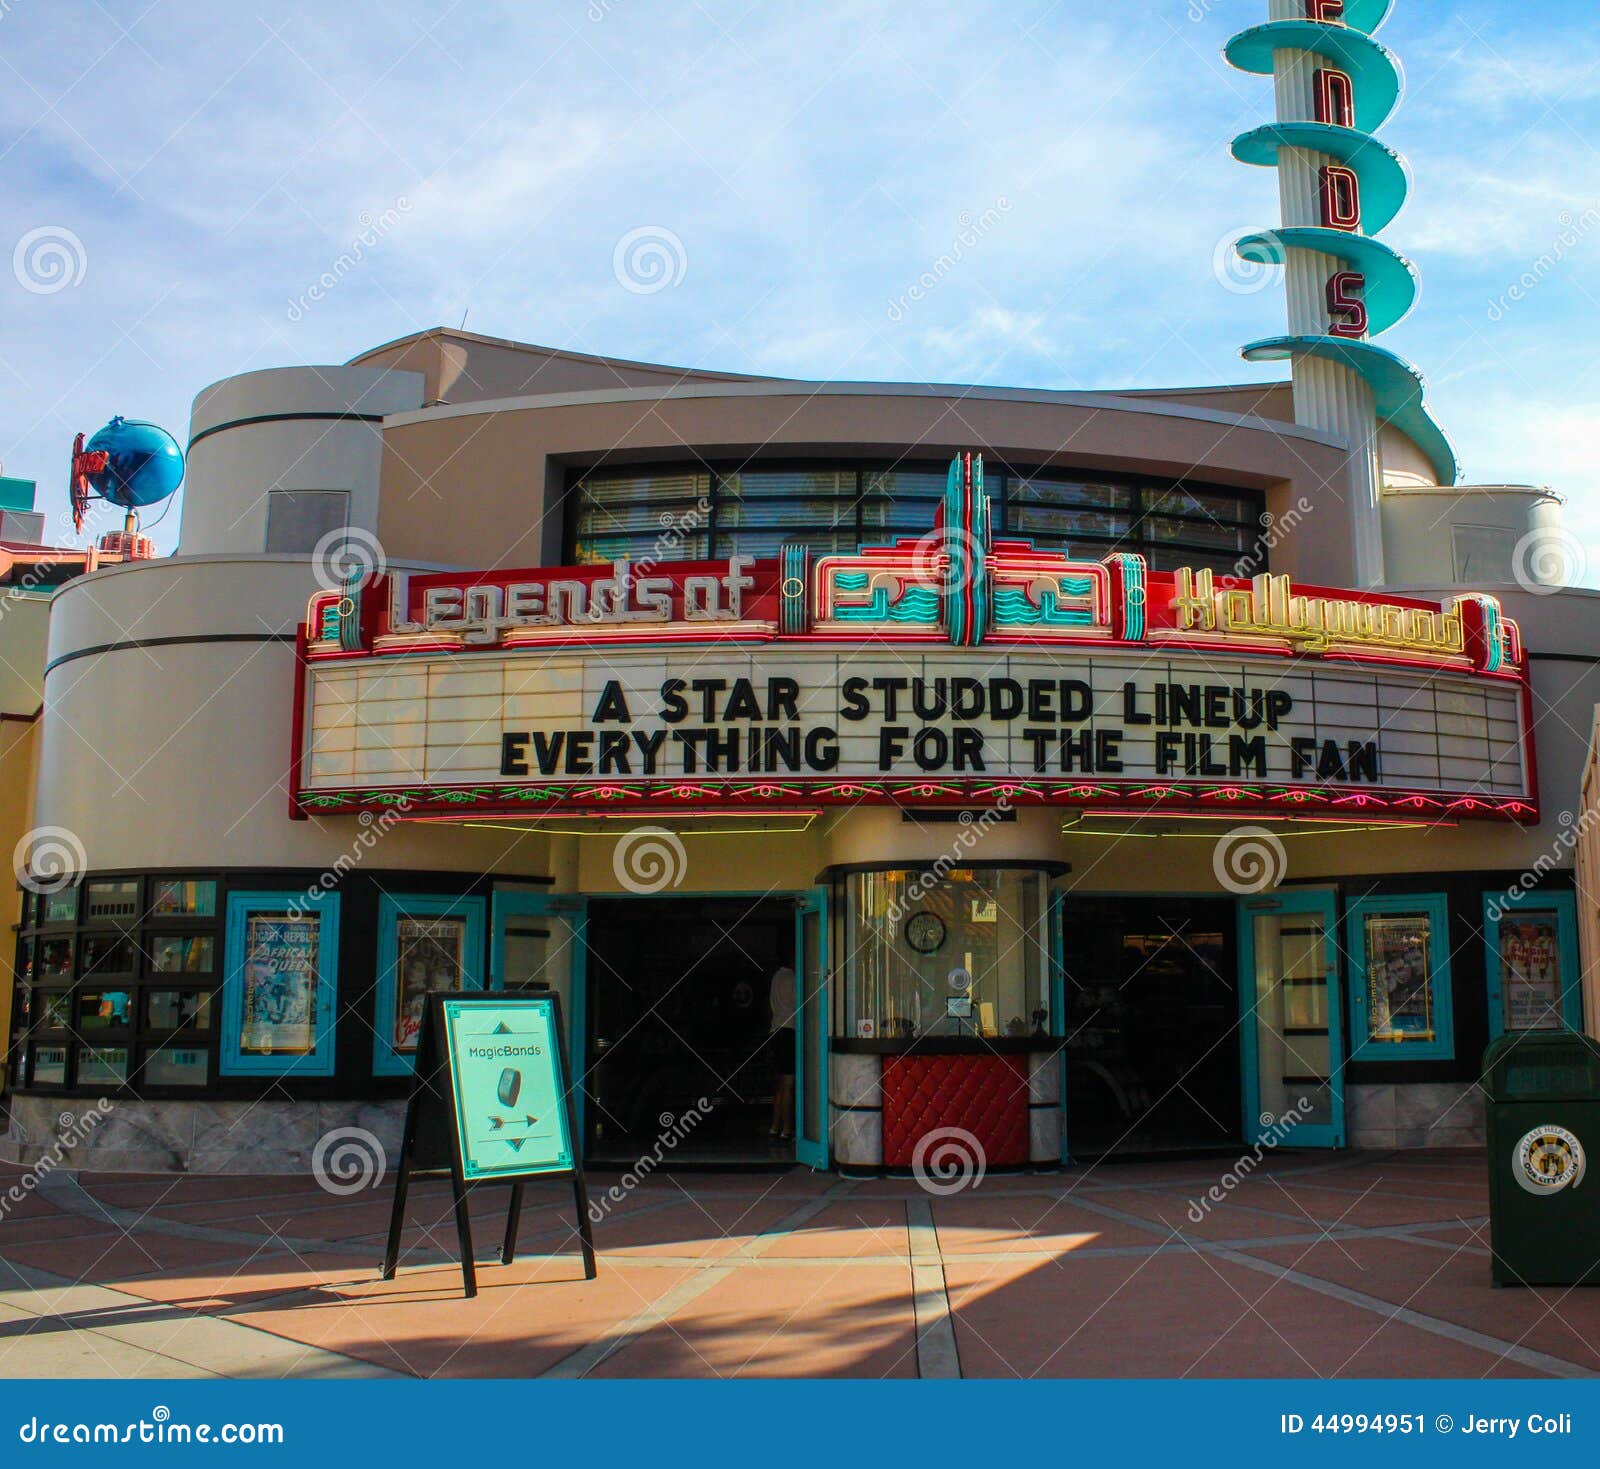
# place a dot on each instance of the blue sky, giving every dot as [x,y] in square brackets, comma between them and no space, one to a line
[805,164]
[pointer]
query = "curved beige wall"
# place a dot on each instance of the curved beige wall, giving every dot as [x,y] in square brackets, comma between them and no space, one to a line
[1419,525]
[161,751]
[233,464]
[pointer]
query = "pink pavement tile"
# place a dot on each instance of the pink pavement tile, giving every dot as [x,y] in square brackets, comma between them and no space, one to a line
[1168,1217]
[272,1274]
[702,1229]
[108,1259]
[1457,1288]
[830,1320]
[1374,1209]
[1178,1315]
[978,1222]
[854,1226]
[143,1190]
[30,1206]
[525,1318]
[52,1227]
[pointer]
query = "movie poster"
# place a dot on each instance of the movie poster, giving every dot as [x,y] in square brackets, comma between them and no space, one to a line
[430,954]
[280,984]
[1399,978]
[1530,972]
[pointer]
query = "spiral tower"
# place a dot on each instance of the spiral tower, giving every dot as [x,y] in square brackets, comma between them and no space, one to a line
[1334,86]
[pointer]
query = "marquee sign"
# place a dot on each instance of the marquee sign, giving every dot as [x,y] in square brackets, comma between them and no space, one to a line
[952,669]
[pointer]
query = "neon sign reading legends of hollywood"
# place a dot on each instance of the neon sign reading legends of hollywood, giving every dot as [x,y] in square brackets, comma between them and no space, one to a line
[950,669]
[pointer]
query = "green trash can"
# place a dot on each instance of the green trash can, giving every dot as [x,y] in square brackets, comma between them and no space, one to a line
[1544,1128]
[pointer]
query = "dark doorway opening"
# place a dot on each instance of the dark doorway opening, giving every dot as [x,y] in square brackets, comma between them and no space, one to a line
[1152,1001]
[678,1010]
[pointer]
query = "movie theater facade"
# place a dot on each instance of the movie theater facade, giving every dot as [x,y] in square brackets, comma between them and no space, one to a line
[1046,737]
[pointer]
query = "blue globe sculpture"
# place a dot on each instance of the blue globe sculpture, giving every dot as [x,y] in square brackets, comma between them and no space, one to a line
[143,463]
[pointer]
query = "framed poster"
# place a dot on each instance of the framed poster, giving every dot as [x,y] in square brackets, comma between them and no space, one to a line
[278,990]
[1531,960]
[426,945]
[1400,962]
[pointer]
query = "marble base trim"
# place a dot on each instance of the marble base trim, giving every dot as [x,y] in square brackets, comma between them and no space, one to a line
[262,1137]
[1429,1114]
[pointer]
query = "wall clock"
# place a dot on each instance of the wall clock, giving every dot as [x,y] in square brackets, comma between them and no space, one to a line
[925,932]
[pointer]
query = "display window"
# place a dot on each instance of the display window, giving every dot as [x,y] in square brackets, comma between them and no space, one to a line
[178,1066]
[962,952]
[110,965]
[280,983]
[1531,962]
[426,944]
[182,898]
[1399,948]
[46,1066]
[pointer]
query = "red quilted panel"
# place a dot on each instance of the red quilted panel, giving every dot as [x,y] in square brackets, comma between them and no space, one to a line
[985,1095]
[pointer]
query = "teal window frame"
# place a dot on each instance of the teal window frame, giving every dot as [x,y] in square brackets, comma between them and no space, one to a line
[1565,905]
[1364,1046]
[386,1059]
[321,1059]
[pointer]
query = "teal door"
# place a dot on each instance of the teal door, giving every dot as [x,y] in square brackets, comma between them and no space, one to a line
[811,1029]
[539,941]
[1292,1041]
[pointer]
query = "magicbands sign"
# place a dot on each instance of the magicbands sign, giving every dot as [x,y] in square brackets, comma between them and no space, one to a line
[948,669]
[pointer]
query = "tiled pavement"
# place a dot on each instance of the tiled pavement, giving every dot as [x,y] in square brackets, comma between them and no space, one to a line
[1356,1265]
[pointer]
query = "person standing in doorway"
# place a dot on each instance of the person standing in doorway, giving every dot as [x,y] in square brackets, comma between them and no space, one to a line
[780,1004]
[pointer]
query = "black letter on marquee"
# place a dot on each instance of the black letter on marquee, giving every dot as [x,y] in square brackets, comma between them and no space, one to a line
[612,705]
[513,754]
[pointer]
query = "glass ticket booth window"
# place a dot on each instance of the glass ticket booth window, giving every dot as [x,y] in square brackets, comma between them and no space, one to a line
[958,953]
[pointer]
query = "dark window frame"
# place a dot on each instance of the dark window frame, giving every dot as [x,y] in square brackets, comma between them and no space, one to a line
[136,1037]
[1140,534]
